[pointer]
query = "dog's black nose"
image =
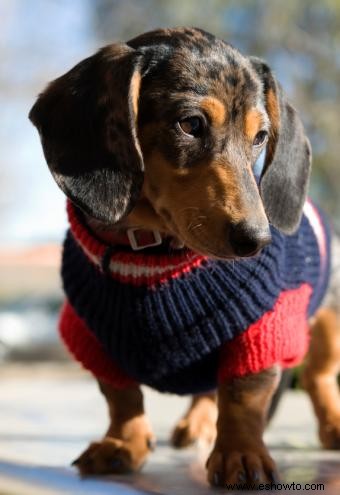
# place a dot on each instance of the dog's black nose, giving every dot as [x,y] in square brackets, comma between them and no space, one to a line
[247,240]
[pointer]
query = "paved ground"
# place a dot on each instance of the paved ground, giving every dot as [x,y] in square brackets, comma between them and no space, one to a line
[49,413]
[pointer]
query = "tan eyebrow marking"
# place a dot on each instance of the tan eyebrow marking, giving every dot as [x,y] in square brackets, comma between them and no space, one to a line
[253,121]
[273,110]
[215,109]
[135,87]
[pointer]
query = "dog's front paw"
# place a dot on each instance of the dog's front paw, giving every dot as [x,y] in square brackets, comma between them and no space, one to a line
[243,468]
[114,456]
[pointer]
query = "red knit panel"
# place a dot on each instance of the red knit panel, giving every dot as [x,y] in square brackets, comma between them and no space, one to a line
[85,348]
[83,235]
[281,336]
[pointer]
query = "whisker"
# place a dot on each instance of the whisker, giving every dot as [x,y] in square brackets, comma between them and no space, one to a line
[196,226]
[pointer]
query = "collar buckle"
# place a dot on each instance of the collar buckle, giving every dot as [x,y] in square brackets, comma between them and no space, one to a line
[141,239]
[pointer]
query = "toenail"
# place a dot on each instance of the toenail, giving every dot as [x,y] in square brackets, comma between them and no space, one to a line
[242,477]
[116,463]
[255,476]
[216,479]
[274,477]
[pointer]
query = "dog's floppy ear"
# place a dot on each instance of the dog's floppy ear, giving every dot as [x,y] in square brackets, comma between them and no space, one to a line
[87,123]
[286,171]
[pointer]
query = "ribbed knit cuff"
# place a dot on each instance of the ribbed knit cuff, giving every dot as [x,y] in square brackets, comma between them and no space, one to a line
[281,337]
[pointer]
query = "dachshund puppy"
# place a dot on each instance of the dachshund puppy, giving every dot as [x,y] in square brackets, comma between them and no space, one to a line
[183,268]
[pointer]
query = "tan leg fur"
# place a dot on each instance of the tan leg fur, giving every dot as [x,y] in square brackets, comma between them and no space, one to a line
[239,454]
[320,373]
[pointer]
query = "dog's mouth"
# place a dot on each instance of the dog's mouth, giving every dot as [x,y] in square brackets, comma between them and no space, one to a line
[220,256]
[205,250]
[224,253]
[205,241]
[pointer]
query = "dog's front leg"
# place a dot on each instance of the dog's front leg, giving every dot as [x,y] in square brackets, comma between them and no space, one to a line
[129,438]
[239,455]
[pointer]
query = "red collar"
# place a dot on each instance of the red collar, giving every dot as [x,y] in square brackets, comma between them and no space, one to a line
[126,265]
[136,238]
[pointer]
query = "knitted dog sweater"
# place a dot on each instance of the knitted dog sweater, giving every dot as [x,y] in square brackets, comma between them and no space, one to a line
[181,322]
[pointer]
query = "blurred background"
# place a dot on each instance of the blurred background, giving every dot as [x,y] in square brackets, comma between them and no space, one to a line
[41,39]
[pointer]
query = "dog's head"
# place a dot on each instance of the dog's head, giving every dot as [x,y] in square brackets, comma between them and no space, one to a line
[174,121]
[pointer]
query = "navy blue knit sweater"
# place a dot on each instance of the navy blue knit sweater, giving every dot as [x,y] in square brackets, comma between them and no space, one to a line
[163,317]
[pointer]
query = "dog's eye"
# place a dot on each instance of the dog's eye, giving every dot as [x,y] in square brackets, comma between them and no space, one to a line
[192,126]
[260,138]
